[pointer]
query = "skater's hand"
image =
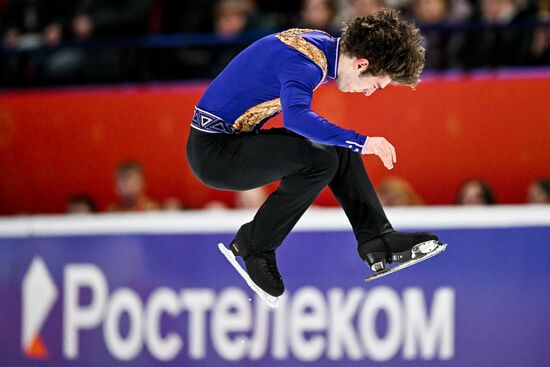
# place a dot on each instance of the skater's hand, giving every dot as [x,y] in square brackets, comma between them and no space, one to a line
[382,148]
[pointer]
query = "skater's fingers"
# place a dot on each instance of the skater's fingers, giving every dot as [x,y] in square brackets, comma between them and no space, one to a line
[386,159]
[393,153]
[382,148]
[391,150]
[388,156]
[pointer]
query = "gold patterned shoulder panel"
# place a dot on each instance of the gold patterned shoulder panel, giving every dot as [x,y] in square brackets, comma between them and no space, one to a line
[293,38]
[258,113]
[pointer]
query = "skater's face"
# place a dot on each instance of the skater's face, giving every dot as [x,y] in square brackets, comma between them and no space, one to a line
[353,79]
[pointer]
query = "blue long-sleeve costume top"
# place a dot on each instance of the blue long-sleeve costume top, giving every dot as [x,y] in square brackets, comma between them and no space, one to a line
[276,73]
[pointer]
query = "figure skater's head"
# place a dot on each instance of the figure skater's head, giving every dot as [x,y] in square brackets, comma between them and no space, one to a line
[377,50]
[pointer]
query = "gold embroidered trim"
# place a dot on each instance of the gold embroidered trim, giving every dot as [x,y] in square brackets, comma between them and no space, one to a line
[255,114]
[293,38]
[260,112]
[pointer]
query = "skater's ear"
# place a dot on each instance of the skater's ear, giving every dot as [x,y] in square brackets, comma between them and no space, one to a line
[360,65]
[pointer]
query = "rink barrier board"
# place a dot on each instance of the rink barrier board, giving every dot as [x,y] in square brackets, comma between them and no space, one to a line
[144,289]
[315,219]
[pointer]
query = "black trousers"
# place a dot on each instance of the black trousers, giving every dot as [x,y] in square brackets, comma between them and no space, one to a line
[246,161]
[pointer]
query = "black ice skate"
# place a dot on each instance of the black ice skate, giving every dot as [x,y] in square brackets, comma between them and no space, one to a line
[261,274]
[407,249]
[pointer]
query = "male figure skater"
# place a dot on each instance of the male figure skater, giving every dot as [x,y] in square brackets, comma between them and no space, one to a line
[228,149]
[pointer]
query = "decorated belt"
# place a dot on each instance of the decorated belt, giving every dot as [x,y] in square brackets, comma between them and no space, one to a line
[210,123]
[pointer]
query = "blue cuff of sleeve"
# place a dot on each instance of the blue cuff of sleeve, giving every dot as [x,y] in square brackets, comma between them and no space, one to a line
[357,144]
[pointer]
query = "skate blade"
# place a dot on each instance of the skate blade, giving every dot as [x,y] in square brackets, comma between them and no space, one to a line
[271,301]
[422,251]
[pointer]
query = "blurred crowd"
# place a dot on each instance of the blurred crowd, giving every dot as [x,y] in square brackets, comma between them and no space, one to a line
[395,191]
[47,42]
[459,34]
[129,186]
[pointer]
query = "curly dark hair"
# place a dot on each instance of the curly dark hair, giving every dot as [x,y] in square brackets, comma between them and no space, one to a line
[392,46]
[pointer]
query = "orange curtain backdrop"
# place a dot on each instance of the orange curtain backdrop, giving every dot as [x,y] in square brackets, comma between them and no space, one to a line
[55,143]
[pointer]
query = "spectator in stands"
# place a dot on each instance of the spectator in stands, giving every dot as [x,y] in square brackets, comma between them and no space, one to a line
[29,24]
[108,18]
[231,19]
[189,62]
[81,204]
[173,204]
[503,41]
[187,16]
[442,48]
[540,48]
[282,12]
[394,191]
[539,192]
[130,189]
[88,19]
[319,14]
[362,8]
[475,192]
[215,205]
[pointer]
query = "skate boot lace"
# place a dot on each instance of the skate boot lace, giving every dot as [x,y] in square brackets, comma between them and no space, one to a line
[271,264]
